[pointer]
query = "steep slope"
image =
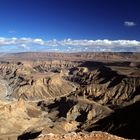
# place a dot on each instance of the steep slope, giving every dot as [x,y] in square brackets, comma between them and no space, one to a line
[17,116]
[123,122]
[28,83]
[44,87]
[106,86]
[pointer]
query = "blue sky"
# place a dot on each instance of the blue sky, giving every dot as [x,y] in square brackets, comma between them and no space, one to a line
[70,25]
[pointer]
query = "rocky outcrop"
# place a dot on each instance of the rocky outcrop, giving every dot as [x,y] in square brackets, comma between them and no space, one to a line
[17,116]
[80,136]
[123,122]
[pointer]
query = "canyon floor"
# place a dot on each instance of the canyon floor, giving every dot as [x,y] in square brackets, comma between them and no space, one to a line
[78,96]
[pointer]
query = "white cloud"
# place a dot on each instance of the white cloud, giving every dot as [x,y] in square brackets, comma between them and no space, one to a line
[71,45]
[24,46]
[38,41]
[129,23]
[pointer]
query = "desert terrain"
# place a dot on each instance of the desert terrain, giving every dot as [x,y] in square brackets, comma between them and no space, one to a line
[69,96]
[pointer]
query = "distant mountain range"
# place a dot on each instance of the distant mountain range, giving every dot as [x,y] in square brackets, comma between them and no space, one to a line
[98,56]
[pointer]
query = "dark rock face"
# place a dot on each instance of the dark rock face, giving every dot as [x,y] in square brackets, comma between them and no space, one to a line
[123,122]
[29,135]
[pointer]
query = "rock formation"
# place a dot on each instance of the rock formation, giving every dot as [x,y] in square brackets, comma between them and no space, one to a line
[69,98]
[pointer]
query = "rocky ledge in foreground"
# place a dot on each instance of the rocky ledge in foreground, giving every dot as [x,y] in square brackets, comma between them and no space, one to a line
[80,136]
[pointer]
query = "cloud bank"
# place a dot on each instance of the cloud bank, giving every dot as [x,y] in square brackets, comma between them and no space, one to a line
[68,45]
[129,23]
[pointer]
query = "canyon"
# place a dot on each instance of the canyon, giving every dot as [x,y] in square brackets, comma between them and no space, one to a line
[69,96]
